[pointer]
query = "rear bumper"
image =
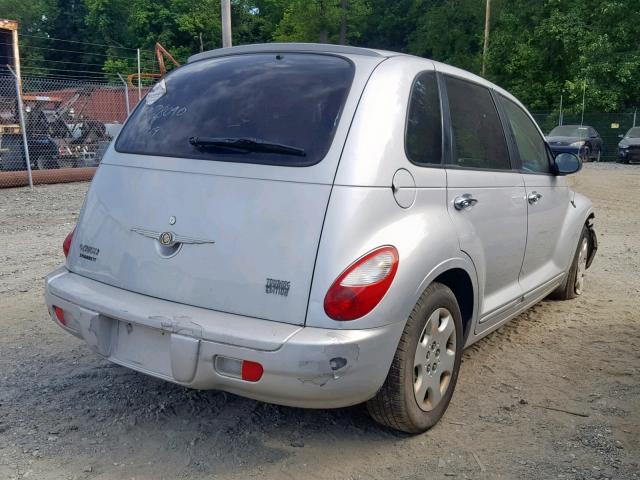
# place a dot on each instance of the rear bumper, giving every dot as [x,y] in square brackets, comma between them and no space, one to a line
[303,366]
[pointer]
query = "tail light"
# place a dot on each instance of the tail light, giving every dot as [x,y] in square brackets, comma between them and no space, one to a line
[362,285]
[66,245]
[59,315]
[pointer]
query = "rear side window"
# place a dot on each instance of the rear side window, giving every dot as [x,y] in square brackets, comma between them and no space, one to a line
[292,100]
[478,137]
[423,140]
[531,147]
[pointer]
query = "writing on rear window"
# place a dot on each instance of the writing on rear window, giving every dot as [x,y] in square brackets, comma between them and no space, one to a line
[290,99]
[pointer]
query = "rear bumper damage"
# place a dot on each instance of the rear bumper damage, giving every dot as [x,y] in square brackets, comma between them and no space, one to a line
[303,366]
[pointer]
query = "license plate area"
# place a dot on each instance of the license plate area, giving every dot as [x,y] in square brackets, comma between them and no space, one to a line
[143,348]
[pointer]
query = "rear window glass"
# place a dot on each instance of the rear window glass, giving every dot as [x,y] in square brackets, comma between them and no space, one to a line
[290,100]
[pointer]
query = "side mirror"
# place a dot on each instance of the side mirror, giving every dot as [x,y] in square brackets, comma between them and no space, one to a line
[567,163]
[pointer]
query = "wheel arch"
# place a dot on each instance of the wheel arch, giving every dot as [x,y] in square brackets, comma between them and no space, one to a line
[460,276]
[459,281]
[593,244]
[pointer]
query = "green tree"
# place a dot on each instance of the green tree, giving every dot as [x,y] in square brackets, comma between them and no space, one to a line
[389,25]
[322,21]
[540,50]
[449,31]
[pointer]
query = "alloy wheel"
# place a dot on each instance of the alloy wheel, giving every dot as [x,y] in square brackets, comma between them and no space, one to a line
[434,359]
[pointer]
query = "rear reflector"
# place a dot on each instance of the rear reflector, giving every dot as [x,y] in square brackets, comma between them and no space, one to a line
[242,369]
[60,315]
[251,371]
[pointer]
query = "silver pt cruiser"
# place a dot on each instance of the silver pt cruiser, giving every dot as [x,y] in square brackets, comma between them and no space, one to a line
[320,226]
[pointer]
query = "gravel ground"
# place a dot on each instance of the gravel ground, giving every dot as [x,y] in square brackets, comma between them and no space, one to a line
[67,414]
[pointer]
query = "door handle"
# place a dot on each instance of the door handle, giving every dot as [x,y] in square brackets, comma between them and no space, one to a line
[534,197]
[464,201]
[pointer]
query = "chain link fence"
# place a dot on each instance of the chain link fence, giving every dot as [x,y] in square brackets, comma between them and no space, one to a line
[66,126]
[610,126]
[61,130]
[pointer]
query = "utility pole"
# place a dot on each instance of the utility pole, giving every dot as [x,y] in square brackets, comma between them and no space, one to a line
[343,22]
[226,22]
[139,77]
[485,48]
[584,90]
[560,116]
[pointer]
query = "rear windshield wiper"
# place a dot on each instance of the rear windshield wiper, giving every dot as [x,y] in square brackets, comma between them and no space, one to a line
[246,145]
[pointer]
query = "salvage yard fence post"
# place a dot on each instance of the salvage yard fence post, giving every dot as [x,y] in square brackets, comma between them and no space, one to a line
[55,129]
[23,127]
[126,93]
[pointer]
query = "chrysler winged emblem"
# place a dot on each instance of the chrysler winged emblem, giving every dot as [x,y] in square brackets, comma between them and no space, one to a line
[169,239]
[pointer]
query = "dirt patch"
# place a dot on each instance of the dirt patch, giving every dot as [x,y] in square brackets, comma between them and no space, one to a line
[67,414]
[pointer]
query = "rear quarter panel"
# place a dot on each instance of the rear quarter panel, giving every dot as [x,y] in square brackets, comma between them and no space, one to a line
[363,213]
[360,219]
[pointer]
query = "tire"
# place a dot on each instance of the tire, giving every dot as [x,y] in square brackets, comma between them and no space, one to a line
[586,155]
[598,155]
[573,285]
[396,403]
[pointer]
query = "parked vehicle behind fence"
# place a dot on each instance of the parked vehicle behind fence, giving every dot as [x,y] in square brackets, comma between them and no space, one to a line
[629,146]
[42,148]
[581,140]
[320,226]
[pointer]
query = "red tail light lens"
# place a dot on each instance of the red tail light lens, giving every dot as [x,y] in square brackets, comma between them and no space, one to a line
[60,315]
[66,245]
[251,371]
[362,285]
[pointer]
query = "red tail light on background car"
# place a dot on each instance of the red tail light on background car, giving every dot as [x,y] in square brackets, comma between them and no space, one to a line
[66,245]
[362,285]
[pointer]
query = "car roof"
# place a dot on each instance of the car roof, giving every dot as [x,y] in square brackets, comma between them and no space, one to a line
[294,47]
[347,50]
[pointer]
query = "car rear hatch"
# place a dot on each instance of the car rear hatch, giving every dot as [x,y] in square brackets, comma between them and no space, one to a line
[229,220]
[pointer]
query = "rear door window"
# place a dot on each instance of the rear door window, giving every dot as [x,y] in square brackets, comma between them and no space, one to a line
[286,100]
[478,136]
